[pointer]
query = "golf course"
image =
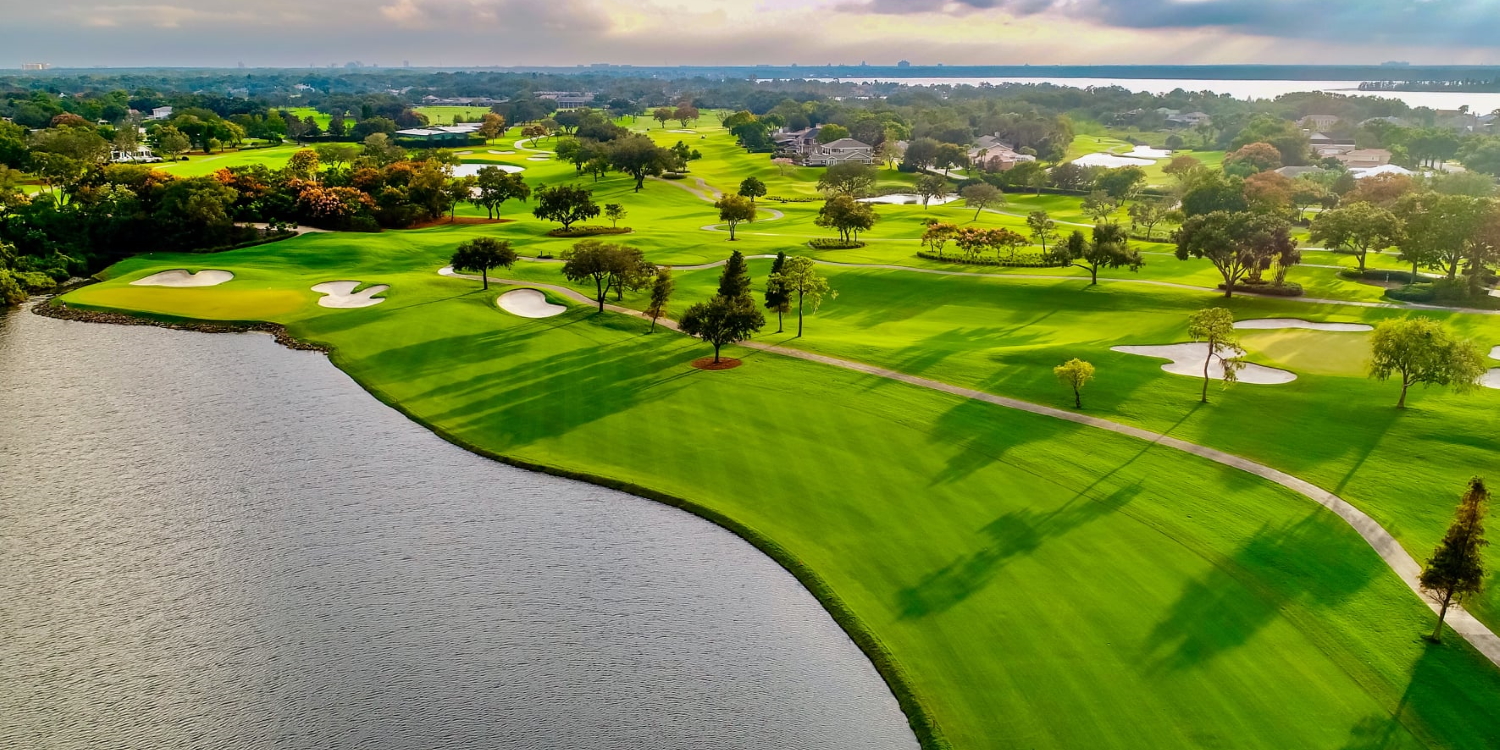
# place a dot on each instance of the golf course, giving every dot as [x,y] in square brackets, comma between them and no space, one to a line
[1023,573]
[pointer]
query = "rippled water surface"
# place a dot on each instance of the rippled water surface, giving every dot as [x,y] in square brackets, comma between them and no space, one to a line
[208,541]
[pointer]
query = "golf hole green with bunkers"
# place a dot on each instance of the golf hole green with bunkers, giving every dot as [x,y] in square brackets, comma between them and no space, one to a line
[1021,581]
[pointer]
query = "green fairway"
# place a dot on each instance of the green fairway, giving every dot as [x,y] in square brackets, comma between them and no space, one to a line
[199,164]
[1024,581]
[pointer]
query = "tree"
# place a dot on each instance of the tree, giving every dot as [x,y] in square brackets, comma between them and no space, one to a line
[1043,228]
[1455,572]
[1121,184]
[1421,350]
[1306,193]
[722,321]
[1288,139]
[458,190]
[1239,244]
[752,188]
[608,265]
[169,143]
[663,114]
[1148,214]
[336,155]
[1075,373]
[778,300]
[846,215]
[950,155]
[481,254]
[734,209]
[799,276]
[1253,159]
[661,291]
[564,204]
[831,132]
[1360,228]
[982,196]
[685,113]
[492,126]
[734,280]
[496,187]
[1110,248]
[1100,206]
[937,235]
[932,187]
[847,178]
[614,212]
[1215,328]
[921,153]
[637,156]
[782,163]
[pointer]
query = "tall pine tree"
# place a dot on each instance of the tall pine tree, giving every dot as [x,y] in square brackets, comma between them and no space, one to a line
[778,299]
[1455,571]
[735,281]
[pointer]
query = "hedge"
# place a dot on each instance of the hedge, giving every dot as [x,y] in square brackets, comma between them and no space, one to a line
[1024,260]
[834,244]
[588,230]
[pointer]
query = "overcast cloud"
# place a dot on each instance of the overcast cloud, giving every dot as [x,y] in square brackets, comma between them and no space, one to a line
[85,33]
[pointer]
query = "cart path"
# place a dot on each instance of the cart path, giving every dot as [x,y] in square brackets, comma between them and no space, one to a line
[1391,551]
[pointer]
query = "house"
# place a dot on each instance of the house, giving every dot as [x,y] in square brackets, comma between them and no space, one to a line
[161,113]
[1190,119]
[1360,174]
[567,99]
[795,144]
[449,134]
[141,155]
[839,152]
[991,154]
[1318,123]
[1364,158]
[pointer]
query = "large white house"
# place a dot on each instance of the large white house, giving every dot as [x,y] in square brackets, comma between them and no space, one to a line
[803,146]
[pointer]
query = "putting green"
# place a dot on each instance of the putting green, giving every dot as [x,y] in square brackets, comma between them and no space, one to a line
[1027,582]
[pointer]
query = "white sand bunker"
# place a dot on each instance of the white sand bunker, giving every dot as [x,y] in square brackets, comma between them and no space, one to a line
[537,158]
[463,153]
[528,303]
[341,294]
[1271,324]
[502,153]
[181,277]
[1146,152]
[1110,161]
[683,131]
[908,199]
[1187,359]
[472,170]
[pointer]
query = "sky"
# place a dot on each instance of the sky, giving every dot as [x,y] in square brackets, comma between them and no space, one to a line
[295,33]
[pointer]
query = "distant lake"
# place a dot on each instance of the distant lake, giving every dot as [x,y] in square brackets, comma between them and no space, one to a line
[1478,103]
[210,541]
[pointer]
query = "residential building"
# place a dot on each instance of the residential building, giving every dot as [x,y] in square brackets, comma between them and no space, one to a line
[838,152]
[795,144]
[1365,158]
[1189,119]
[160,113]
[1319,123]
[991,154]
[567,99]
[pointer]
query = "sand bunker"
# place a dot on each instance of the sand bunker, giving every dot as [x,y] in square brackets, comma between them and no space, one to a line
[472,170]
[907,199]
[463,153]
[1271,324]
[1491,379]
[181,277]
[502,153]
[528,303]
[1187,359]
[1110,161]
[341,294]
[537,158]
[1146,152]
[694,132]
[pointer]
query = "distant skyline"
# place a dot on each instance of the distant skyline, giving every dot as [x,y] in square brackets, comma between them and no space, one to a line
[295,33]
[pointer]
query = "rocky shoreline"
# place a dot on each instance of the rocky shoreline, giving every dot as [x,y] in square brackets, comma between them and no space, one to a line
[277,331]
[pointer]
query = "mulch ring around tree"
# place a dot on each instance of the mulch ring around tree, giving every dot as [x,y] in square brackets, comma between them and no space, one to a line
[458,220]
[725,363]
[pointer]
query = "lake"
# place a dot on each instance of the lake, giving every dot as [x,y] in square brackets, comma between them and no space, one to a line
[211,541]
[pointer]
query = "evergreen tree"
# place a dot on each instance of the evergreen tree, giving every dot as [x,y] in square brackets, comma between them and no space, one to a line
[735,281]
[778,299]
[1455,571]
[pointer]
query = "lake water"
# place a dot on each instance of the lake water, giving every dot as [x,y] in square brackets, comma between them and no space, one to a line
[209,541]
[1267,89]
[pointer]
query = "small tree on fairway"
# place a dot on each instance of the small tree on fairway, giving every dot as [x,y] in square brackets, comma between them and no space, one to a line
[1043,228]
[1359,227]
[932,187]
[496,187]
[937,235]
[1215,328]
[663,114]
[847,215]
[734,280]
[734,209]
[722,320]
[799,276]
[610,266]
[778,300]
[1101,206]
[481,254]
[1110,248]
[565,204]
[847,178]
[614,212]
[1455,571]
[752,188]
[661,291]
[1075,373]
[1148,214]
[982,196]
[1421,350]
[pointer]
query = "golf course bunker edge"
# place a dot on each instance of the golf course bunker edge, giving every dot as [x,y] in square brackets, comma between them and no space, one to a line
[1187,359]
[341,295]
[181,278]
[529,303]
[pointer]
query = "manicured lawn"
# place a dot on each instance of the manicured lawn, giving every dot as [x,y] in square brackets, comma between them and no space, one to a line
[199,164]
[1037,583]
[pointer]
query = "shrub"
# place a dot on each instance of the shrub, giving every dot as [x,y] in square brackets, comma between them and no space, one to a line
[588,230]
[1413,293]
[1022,260]
[1285,289]
[830,243]
[1371,274]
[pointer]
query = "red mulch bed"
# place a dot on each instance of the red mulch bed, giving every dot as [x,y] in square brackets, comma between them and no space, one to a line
[725,363]
[459,220]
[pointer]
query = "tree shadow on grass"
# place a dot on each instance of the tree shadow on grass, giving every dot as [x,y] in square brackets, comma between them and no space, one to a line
[1015,534]
[1283,571]
[1447,701]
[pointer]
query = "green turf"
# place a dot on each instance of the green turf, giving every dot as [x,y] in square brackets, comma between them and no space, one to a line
[1039,584]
